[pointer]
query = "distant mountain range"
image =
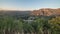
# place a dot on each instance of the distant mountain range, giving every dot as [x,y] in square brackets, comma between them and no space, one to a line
[40,12]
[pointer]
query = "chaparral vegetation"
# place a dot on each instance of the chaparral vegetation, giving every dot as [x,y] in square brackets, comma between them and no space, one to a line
[39,25]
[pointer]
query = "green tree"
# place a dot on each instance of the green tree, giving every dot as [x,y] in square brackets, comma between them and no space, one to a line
[8,25]
[28,29]
[55,25]
[38,26]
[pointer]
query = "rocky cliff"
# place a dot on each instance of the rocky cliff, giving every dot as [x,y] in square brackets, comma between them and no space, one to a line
[46,12]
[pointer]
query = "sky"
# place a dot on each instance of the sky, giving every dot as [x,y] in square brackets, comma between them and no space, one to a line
[28,4]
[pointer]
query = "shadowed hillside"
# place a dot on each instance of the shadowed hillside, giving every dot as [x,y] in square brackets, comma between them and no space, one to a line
[11,12]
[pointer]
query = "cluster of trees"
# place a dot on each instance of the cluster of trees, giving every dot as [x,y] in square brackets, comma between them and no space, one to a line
[9,25]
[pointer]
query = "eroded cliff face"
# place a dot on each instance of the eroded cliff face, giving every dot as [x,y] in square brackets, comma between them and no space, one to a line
[46,12]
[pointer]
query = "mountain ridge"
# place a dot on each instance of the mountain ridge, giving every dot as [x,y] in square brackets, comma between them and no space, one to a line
[46,12]
[40,12]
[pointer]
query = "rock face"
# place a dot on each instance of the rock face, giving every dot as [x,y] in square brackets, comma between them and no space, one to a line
[46,12]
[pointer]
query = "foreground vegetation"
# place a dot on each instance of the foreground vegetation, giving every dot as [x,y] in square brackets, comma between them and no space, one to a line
[11,25]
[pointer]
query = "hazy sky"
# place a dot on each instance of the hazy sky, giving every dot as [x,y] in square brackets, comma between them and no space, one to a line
[29,4]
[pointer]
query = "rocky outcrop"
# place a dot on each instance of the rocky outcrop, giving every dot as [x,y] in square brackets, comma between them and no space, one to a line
[46,12]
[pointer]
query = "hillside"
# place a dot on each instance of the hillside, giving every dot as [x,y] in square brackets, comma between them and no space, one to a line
[46,12]
[40,12]
[15,12]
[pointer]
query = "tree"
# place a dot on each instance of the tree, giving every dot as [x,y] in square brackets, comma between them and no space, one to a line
[27,28]
[8,25]
[55,25]
[38,25]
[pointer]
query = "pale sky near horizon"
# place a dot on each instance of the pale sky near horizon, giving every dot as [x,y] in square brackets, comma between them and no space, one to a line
[29,4]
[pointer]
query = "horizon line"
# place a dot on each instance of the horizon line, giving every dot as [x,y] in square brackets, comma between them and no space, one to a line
[25,9]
